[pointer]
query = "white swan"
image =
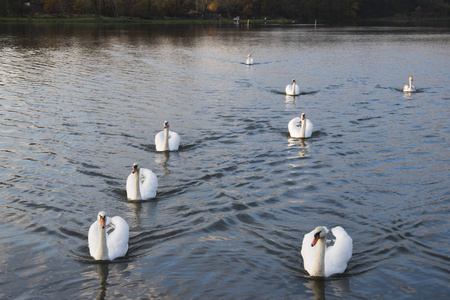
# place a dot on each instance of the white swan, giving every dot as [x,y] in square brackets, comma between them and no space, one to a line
[249,60]
[300,127]
[323,261]
[104,246]
[293,89]
[167,140]
[410,87]
[141,184]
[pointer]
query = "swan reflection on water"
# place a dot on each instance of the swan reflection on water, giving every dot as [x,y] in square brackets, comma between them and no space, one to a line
[407,95]
[303,147]
[290,101]
[165,158]
[339,287]
[103,272]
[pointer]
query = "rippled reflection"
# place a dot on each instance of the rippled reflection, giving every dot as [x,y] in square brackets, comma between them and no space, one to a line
[103,271]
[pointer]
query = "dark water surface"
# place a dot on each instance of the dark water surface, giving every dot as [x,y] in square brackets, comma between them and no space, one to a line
[79,105]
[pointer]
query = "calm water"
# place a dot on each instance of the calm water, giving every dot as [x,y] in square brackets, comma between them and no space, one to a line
[79,105]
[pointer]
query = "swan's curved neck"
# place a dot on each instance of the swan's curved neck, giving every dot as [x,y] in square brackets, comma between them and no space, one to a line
[137,191]
[102,252]
[303,128]
[410,82]
[319,260]
[166,139]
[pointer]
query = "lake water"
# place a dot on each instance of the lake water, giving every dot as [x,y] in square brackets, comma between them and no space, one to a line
[80,104]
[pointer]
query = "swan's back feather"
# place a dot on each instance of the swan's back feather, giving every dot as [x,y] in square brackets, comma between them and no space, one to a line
[407,89]
[118,239]
[336,256]
[292,91]
[295,128]
[148,183]
[159,141]
[174,141]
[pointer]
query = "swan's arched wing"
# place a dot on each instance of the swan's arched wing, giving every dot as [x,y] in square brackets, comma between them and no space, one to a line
[174,141]
[294,127]
[159,141]
[338,255]
[309,128]
[292,89]
[308,252]
[93,239]
[118,239]
[148,184]
[288,89]
[131,192]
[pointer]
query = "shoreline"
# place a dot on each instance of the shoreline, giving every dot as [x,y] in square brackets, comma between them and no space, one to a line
[393,21]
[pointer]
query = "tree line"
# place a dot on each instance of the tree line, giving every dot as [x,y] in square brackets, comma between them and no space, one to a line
[301,10]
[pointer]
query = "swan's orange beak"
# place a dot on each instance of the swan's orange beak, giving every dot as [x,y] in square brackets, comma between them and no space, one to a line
[316,238]
[134,169]
[102,222]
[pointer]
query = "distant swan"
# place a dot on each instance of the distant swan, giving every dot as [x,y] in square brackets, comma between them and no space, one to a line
[141,184]
[300,127]
[167,140]
[320,260]
[410,87]
[293,89]
[104,246]
[249,60]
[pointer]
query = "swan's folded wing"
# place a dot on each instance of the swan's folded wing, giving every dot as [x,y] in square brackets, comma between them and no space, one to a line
[288,89]
[338,255]
[131,193]
[309,128]
[149,184]
[159,141]
[174,141]
[308,252]
[118,239]
[294,127]
[93,238]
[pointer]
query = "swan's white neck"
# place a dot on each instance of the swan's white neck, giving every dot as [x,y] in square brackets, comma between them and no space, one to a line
[137,191]
[303,128]
[319,260]
[102,252]
[166,139]
[410,82]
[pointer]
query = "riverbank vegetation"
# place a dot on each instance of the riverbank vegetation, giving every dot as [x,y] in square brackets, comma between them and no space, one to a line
[301,11]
